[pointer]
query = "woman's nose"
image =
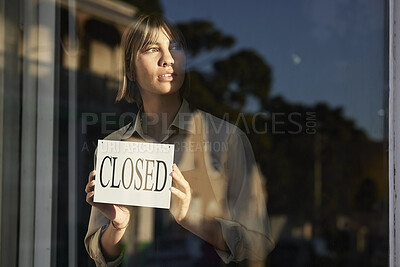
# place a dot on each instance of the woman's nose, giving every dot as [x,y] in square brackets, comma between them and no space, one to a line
[166,59]
[165,64]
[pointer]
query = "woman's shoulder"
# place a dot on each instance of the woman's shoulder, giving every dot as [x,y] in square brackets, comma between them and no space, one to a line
[220,126]
[223,135]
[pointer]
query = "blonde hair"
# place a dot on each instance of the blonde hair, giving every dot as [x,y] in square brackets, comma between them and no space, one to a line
[137,36]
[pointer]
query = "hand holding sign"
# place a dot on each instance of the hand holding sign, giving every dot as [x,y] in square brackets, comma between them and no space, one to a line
[134,174]
[118,214]
[181,195]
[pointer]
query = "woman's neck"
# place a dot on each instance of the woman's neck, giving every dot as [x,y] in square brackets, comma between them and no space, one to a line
[159,113]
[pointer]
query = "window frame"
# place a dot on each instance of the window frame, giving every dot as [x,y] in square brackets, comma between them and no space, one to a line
[30,247]
[394,128]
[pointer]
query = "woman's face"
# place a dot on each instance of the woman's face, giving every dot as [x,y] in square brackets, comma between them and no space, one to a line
[160,67]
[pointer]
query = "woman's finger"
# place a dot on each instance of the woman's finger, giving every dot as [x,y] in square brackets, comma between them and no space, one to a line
[89,197]
[177,171]
[90,186]
[178,178]
[92,174]
[178,193]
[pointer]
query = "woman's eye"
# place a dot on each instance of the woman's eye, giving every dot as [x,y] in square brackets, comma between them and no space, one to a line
[152,50]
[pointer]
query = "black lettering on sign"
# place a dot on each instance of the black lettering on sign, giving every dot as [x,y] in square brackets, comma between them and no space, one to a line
[145,174]
[139,174]
[123,174]
[158,175]
[113,175]
[148,174]
[101,172]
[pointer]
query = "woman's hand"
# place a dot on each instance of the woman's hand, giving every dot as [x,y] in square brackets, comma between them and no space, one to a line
[181,195]
[118,214]
[204,227]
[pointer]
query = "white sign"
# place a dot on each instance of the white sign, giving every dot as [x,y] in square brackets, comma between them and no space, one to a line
[136,174]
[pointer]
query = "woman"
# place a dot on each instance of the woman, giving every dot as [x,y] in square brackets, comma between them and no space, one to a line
[217,189]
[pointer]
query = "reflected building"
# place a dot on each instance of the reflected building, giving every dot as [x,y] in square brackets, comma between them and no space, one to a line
[93,55]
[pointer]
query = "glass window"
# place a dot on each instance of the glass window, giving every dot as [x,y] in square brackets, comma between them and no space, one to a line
[306,82]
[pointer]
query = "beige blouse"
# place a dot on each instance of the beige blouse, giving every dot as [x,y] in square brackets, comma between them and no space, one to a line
[217,160]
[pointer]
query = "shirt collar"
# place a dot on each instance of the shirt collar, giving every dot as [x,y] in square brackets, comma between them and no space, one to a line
[183,121]
[184,118]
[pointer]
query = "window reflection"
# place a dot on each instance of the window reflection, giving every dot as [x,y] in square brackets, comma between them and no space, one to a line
[304,80]
[327,187]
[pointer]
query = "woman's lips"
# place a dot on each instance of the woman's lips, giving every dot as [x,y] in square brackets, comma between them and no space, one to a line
[167,77]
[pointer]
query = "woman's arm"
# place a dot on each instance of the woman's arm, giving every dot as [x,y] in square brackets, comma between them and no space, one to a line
[118,217]
[111,240]
[247,230]
[243,232]
[208,229]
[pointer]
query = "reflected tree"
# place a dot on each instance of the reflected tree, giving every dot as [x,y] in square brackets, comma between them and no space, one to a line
[202,36]
[285,135]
